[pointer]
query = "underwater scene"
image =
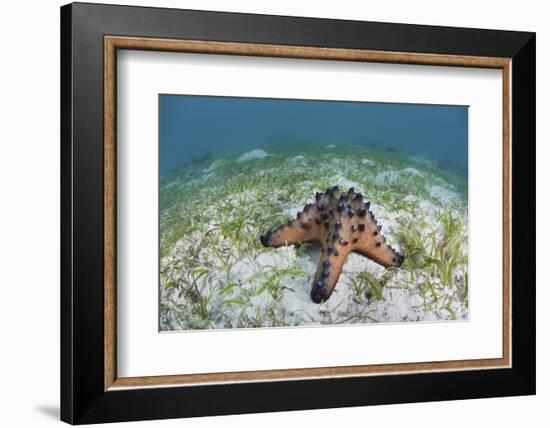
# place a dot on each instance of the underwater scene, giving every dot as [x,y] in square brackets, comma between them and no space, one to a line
[278,213]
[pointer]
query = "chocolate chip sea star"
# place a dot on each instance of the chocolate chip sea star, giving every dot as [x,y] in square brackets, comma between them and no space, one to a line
[340,223]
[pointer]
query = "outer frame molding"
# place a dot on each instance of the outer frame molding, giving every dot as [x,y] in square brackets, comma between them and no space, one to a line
[89,390]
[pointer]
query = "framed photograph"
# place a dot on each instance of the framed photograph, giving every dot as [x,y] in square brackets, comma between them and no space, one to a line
[265,213]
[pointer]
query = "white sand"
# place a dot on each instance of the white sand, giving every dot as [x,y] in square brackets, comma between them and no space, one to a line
[368,162]
[253,154]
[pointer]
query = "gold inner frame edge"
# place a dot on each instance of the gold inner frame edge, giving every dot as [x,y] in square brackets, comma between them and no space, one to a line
[113,43]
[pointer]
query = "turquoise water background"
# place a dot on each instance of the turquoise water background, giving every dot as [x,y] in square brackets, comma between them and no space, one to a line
[196,128]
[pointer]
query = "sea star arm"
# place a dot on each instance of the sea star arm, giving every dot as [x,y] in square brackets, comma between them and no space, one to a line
[370,243]
[306,228]
[382,254]
[328,271]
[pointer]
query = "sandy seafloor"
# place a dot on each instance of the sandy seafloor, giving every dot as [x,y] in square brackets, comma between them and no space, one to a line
[214,272]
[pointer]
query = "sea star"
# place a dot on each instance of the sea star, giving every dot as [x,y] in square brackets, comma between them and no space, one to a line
[340,223]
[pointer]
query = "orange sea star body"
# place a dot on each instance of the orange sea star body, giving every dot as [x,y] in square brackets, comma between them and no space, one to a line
[340,223]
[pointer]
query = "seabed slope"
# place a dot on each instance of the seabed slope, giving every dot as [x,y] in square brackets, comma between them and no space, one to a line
[214,272]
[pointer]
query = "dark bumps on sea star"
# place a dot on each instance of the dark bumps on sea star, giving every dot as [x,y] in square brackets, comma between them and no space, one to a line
[340,223]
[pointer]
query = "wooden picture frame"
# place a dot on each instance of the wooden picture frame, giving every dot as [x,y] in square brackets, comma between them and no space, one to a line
[91,390]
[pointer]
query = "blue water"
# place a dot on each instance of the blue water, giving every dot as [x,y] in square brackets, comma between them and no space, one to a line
[198,128]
